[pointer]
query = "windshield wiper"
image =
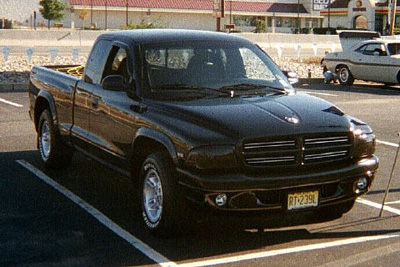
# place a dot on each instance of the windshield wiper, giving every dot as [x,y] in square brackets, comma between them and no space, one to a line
[180,86]
[251,86]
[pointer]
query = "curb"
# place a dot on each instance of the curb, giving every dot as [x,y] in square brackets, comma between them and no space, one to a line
[310,81]
[13,87]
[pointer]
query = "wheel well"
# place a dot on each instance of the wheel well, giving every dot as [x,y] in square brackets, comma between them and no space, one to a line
[41,104]
[143,147]
[339,66]
[398,76]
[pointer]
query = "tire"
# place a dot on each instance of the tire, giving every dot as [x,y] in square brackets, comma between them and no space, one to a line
[345,76]
[162,201]
[54,153]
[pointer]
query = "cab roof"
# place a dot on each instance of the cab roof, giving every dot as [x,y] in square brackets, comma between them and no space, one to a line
[148,36]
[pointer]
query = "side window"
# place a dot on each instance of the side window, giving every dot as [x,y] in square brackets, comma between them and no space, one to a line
[371,48]
[361,49]
[95,65]
[117,63]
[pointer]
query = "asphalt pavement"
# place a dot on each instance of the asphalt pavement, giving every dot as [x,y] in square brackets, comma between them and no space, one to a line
[86,216]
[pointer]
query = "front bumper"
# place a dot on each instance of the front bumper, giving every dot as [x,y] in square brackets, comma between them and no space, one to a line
[255,193]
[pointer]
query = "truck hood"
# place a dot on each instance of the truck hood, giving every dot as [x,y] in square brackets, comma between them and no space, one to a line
[256,116]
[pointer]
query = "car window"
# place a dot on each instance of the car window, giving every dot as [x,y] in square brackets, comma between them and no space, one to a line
[200,67]
[96,62]
[370,49]
[394,48]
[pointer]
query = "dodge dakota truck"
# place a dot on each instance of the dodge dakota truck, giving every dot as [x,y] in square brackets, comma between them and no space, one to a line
[202,119]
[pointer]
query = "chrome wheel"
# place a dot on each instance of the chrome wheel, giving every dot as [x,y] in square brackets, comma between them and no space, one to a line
[153,196]
[344,74]
[45,139]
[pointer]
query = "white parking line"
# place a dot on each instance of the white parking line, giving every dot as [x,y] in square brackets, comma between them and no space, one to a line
[315,93]
[378,206]
[11,103]
[163,261]
[387,143]
[278,252]
[136,243]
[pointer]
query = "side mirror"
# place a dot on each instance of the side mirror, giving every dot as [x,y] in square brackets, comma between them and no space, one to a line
[292,76]
[114,83]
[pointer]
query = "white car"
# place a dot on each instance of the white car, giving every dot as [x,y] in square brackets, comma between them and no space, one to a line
[373,60]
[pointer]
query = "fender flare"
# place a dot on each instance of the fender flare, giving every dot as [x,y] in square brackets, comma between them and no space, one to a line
[159,137]
[51,103]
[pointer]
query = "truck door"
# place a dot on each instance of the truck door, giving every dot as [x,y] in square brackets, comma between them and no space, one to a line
[112,121]
[83,93]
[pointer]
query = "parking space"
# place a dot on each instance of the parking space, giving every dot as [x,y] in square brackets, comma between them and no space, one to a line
[87,216]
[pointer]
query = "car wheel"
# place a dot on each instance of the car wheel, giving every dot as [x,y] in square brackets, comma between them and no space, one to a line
[162,202]
[53,152]
[345,76]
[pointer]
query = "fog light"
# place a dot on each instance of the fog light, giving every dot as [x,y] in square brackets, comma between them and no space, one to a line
[221,199]
[361,185]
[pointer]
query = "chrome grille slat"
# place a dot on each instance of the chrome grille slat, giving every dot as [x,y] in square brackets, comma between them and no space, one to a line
[295,151]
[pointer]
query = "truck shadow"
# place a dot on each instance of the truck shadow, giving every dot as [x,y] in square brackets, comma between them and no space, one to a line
[114,195]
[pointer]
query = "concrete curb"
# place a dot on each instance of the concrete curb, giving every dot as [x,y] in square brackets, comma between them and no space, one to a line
[13,87]
[310,81]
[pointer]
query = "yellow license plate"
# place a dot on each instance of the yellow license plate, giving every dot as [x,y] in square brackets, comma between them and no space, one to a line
[302,200]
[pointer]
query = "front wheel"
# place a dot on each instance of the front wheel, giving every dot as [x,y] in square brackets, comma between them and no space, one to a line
[52,150]
[345,76]
[162,201]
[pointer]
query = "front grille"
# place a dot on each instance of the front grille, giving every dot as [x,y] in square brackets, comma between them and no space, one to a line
[295,151]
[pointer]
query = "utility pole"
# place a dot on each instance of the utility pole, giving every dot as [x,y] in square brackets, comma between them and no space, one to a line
[126,13]
[105,23]
[393,22]
[91,13]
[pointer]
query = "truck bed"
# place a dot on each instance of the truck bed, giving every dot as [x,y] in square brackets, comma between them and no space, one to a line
[73,70]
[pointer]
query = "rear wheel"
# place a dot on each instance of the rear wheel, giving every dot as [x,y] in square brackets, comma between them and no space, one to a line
[345,76]
[162,201]
[54,153]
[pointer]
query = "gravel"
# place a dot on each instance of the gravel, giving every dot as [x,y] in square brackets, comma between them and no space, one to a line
[17,68]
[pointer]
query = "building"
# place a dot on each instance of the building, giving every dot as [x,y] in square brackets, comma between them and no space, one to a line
[371,15]
[278,15]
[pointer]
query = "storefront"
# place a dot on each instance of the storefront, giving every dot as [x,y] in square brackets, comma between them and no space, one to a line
[371,15]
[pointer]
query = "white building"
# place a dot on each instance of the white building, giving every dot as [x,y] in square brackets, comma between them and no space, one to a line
[279,15]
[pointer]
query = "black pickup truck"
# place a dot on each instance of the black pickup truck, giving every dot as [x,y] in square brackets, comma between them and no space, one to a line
[204,118]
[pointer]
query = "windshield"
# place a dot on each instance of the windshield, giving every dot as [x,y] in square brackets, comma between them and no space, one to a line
[209,69]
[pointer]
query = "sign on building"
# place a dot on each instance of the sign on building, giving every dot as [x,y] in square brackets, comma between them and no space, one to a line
[218,8]
[321,4]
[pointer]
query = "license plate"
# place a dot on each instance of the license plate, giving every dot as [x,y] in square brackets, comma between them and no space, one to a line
[302,200]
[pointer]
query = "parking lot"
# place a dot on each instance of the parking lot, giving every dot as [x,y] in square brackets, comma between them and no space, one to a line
[85,216]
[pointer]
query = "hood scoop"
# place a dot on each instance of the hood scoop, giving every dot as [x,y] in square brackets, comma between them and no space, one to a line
[279,111]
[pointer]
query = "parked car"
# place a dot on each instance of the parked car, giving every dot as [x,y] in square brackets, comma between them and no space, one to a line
[201,118]
[372,60]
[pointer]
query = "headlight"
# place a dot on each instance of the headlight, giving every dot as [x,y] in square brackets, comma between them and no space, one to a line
[364,139]
[212,157]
